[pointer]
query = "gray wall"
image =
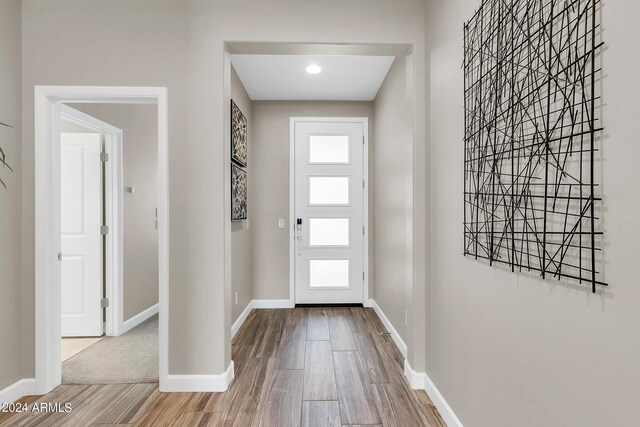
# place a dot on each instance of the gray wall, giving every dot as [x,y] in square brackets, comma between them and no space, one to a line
[180,45]
[242,231]
[73,42]
[392,195]
[139,124]
[10,200]
[270,181]
[512,350]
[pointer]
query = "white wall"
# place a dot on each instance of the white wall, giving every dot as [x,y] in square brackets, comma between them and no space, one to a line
[11,334]
[242,231]
[392,183]
[270,181]
[512,350]
[139,124]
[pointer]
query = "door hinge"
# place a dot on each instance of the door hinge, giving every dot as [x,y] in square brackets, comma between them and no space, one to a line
[104,303]
[104,157]
[104,230]
[363,276]
[363,186]
[363,233]
[59,256]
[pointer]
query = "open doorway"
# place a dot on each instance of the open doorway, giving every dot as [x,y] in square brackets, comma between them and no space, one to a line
[312,220]
[109,243]
[115,315]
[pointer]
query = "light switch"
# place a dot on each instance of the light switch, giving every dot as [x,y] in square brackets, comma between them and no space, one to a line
[281,223]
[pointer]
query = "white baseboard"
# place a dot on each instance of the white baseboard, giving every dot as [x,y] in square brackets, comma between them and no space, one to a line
[272,303]
[387,324]
[240,320]
[139,318]
[421,381]
[24,387]
[198,383]
[368,303]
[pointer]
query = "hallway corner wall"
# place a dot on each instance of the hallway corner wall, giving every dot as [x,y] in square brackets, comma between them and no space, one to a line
[242,231]
[392,187]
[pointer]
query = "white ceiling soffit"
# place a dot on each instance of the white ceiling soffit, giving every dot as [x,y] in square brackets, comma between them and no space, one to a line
[283,77]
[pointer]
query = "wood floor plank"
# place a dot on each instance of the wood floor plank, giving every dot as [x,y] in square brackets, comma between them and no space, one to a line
[28,400]
[197,419]
[246,335]
[373,321]
[321,414]
[124,402]
[284,403]
[356,402]
[297,317]
[75,395]
[240,403]
[342,375]
[358,320]
[395,406]
[164,408]
[372,362]
[340,332]
[267,344]
[428,410]
[317,325]
[290,353]
[319,377]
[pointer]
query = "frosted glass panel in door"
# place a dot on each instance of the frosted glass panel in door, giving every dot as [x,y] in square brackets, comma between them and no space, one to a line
[328,149]
[328,231]
[329,273]
[328,190]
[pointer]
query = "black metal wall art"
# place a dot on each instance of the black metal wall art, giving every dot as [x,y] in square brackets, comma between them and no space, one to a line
[238,136]
[238,193]
[532,129]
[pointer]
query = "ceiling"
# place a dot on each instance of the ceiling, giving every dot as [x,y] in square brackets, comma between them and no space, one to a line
[283,77]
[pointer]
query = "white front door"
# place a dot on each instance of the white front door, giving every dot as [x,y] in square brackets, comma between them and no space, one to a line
[81,218]
[329,211]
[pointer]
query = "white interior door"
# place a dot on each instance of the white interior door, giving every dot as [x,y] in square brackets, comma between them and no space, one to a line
[81,217]
[329,212]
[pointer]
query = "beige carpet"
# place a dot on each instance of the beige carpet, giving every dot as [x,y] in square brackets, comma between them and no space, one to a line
[129,358]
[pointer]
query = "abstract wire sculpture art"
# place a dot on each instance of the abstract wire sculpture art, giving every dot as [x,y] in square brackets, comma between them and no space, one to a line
[532,73]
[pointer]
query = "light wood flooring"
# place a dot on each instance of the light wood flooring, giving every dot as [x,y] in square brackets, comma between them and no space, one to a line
[69,347]
[311,367]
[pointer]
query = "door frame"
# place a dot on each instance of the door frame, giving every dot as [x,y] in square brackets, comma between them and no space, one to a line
[48,100]
[113,208]
[292,177]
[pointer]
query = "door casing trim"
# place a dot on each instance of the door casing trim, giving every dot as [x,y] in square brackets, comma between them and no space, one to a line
[292,178]
[47,218]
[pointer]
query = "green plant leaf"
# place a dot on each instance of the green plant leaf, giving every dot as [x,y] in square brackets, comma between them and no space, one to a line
[4,124]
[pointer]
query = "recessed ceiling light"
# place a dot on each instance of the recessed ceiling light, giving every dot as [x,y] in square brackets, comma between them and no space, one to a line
[313,69]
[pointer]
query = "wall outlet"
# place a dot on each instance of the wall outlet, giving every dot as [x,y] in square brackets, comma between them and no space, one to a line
[236,297]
